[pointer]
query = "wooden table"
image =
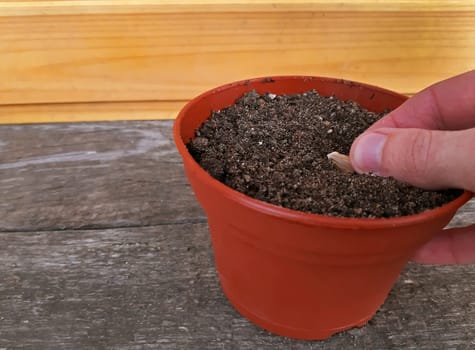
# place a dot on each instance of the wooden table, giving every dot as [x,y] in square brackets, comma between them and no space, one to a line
[103,246]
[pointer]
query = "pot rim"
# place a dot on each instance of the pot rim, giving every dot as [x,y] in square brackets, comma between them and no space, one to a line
[291,214]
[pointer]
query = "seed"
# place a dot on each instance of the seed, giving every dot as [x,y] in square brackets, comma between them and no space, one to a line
[341,161]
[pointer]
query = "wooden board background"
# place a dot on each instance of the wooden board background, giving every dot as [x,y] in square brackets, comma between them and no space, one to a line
[152,56]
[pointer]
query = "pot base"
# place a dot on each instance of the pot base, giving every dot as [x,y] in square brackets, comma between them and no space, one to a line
[290,332]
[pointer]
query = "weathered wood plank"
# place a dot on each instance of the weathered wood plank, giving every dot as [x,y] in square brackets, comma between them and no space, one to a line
[156,288]
[70,176]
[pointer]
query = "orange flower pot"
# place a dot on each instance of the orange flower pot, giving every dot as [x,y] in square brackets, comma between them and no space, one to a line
[296,274]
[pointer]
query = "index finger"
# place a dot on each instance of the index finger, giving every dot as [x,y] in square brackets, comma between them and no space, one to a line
[447,105]
[451,246]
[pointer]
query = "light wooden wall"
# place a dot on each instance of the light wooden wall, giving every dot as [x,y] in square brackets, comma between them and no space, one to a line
[108,60]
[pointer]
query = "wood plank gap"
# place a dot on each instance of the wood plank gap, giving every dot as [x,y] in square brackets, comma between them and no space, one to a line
[91,111]
[88,112]
[40,8]
[105,228]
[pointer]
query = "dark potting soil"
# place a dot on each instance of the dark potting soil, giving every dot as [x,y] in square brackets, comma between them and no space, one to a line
[274,148]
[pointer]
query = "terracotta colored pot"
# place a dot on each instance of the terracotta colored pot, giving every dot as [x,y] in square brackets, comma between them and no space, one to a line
[302,275]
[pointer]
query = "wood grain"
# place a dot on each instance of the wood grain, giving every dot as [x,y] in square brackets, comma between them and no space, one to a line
[171,52]
[103,246]
[84,112]
[72,176]
[156,288]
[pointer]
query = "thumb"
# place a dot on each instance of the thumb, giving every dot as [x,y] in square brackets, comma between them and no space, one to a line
[429,159]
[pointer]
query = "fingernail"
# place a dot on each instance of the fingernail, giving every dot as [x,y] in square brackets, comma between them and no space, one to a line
[368,152]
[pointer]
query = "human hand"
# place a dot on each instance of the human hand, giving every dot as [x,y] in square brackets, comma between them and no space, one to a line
[429,142]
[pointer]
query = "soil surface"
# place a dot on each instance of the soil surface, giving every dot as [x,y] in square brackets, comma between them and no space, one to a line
[274,148]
